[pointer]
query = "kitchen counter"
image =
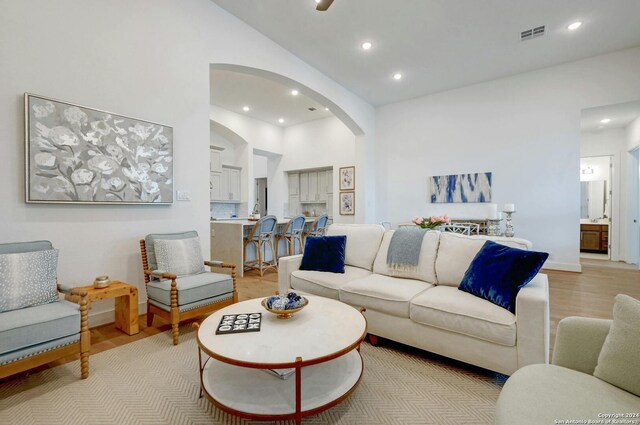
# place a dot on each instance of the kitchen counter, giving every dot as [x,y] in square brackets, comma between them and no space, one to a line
[246,222]
[602,222]
[227,241]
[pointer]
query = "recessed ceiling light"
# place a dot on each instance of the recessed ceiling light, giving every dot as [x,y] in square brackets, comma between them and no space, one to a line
[397,76]
[294,92]
[318,1]
[575,25]
[281,120]
[605,121]
[245,108]
[326,109]
[366,45]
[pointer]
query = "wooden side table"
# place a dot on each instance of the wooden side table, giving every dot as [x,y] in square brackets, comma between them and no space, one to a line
[126,297]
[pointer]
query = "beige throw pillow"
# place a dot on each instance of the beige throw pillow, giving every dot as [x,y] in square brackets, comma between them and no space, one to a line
[619,360]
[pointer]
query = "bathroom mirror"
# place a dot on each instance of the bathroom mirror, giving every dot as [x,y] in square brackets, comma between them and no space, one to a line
[594,200]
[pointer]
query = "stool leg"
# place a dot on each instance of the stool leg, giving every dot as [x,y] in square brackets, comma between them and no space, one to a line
[274,261]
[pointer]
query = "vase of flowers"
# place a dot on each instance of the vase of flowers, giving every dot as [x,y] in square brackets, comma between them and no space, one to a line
[431,222]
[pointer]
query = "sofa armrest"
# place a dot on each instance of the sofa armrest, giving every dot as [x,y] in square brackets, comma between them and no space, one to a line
[286,266]
[579,341]
[532,321]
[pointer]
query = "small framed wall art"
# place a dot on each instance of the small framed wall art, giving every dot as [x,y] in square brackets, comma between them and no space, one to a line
[79,155]
[348,178]
[347,203]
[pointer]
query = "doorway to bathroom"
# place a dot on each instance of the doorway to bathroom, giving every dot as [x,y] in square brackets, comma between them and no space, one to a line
[595,206]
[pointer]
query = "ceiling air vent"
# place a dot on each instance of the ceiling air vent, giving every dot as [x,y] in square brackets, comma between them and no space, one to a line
[312,109]
[532,33]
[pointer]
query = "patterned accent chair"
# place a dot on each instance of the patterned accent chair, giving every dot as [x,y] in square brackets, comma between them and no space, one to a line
[33,336]
[176,298]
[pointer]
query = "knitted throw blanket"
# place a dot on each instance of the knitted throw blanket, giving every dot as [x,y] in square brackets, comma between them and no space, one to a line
[404,248]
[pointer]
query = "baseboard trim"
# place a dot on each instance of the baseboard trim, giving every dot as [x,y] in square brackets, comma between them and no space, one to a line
[108,316]
[565,267]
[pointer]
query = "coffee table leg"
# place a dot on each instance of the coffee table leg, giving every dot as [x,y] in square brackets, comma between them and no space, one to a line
[200,366]
[298,391]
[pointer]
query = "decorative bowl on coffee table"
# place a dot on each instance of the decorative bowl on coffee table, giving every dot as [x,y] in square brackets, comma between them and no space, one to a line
[285,313]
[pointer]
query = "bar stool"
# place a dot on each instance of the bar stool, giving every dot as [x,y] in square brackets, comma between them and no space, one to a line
[292,232]
[262,234]
[319,226]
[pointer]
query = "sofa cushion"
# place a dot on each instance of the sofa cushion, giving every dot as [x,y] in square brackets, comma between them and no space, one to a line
[497,273]
[363,242]
[181,257]
[546,394]
[447,308]
[325,284]
[619,360]
[455,253]
[191,288]
[390,295]
[35,325]
[324,254]
[28,279]
[426,269]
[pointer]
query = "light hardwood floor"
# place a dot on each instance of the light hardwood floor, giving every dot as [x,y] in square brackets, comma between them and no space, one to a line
[590,294]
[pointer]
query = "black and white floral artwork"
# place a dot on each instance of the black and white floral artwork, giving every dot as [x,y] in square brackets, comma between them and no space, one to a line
[77,154]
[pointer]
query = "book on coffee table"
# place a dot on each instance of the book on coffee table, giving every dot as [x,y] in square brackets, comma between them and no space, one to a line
[239,323]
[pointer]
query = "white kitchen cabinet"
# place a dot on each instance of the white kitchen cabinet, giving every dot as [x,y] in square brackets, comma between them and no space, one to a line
[294,184]
[215,186]
[322,186]
[294,206]
[330,205]
[228,182]
[234,184]
[304,187]
[215,159]
[313,187]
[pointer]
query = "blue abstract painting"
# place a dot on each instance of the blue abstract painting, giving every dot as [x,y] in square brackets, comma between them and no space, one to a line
[461,188]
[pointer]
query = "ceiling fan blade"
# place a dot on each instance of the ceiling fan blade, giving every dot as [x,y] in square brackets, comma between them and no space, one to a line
[323,5]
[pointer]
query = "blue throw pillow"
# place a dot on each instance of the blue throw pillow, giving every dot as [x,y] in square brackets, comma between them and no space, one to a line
[498,272]
[324,254]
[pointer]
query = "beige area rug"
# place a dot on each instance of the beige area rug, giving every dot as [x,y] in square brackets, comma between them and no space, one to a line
[152,382]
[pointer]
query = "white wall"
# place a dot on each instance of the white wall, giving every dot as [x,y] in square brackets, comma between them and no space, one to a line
[228,155]
[253,134]
[323,143]
[525,129]
[146,58]
[632,209]
[632,132]
[259,166]
[612,143]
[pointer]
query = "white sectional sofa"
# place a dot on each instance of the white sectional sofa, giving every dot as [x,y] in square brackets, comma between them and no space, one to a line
[424,308]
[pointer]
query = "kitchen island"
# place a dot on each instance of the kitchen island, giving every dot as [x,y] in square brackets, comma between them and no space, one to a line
[227,241]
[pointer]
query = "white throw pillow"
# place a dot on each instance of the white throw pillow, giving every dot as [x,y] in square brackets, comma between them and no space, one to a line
[179,256]
[619,360]
[28,279]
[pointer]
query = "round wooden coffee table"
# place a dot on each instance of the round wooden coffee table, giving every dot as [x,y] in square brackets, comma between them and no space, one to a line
[321,343]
